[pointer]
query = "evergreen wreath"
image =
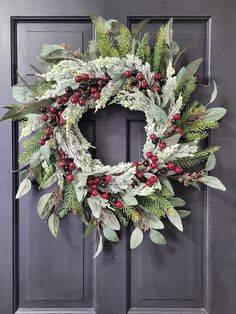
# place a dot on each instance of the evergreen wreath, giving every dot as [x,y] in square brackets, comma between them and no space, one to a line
[117,69]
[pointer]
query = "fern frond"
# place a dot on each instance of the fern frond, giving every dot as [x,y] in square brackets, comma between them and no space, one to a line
[158,50]
[197,158]
[70,201]
[124,42]
[140,52]
[30,147]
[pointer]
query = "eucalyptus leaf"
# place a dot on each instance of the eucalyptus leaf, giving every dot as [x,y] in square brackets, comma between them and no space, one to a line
[168,32]
[45,151]
[154,222]
[24,187]
[99,248]
[53,224]
[35,159]
[44,205]
[22,94]
[136,238]
[80,192]
[172,140]
[157,237]
[213,182]
[214,114]
[195,184]
[166,182]
[110,219]
[159,114]
[177,201]
[50,181]
[191,69]
[38,173]
[184,213]
[214,93]
[89,229]
[211,162]
[137,28]
[110,234]
[95,206]
[129,200]
[175,219]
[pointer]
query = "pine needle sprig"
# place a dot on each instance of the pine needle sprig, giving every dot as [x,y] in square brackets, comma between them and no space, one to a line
[158,50]
[197,158]
[190,137]
[192,112]
[140,52]
[123,220]
[30,147]
[70,201]
[200,126]
[186,88]
[133,214]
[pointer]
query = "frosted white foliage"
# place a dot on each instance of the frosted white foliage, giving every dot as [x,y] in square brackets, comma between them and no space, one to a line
[33,124]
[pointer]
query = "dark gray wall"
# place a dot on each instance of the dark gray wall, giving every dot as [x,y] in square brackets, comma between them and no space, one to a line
[195,273]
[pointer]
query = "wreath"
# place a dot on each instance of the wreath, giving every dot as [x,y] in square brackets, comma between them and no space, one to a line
[117,69]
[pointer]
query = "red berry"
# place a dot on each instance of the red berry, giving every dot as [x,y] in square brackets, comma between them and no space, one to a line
[154,158]
[71,166]
[157,76]
[128,73]
[74,99]
[70,177]
[94,186]
[134,164]
[101,83]
[60,100]
[94,193]
[179,130]
[153,179]
[85,76]
[148,183]
[48,132]
[77,94]
[93,90]
[78,78]
[170,166]
[106,78]
[149,154]
[82,102]
[178,169]
[158,88]
[119,204]
[96,95]
[108,178]
[45,117]
[177,116]
[105,196]
[143,85]
[65,98]
[62,121]
[139,175]
[97,180]
[90,182]
[61,164]
[162,145]
[53,116]
[53,110]
[153,136]
[140,76]
[41,142]
[60,113]
[154,165]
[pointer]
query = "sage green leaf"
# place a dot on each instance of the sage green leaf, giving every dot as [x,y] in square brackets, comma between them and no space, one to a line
[157,237]
[195,184]
[99,249]
[95,206]
[81,179]
[137,29]
[184,213]
[213,182]
[50,181]
[166,182]
[22,94]
[35,159]
[49,48]
[44,205]
[214,114]
[38,173]
[129,200]
[175,219]
[110,234]
[110,219]
[177,201]
[211,162]
[89,229]
[214,93]
[92,49]
[168,32]
[159,114]
[45,151]
[136,238]
[191,69]
[172,140]
[24,187]
[181,74]
[53,224]
[80,192]
[154,222]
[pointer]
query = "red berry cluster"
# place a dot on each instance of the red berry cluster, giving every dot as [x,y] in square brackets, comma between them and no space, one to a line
[157,141]
[67,164]
[176,121]
[52,116]
[48,133]
[172,167]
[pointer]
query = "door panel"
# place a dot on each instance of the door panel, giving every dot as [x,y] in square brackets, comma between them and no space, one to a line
[195,272]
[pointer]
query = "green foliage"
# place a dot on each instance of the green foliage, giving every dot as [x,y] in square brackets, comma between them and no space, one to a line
[124,42]
[195,136]
[192,112]
[197,158]
[186,88]
[105,42]
[158,51]
[123,220]
[70,201]
[48,171]
[200,126]
[140,52]
[30,147]
[132,213]
[38,88]
[14,113]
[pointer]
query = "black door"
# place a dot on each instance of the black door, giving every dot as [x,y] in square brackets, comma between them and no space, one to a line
[195,273]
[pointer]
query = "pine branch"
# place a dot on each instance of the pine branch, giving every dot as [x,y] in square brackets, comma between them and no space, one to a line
[38,88]
[70,201]
[195,136]
[200,126]
[158,50]
[140,52]
[132,214]
[186,88]
[48,171]
[124,42]
[156,203]
[123,220]
[197,158]
[30,147]
[192,112]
